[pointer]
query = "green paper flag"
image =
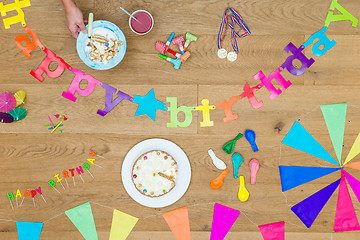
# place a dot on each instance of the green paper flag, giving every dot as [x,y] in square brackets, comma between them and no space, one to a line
[83,219]
[122,225]
[335,117]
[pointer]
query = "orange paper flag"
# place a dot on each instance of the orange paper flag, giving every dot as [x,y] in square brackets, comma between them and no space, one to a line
[355,165]
[178,221]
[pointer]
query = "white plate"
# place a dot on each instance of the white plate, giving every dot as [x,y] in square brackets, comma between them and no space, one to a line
[182,179]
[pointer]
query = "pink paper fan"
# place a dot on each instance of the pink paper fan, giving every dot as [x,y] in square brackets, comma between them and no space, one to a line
[7,102]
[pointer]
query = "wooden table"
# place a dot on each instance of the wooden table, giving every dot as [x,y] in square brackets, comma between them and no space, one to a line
[30,155]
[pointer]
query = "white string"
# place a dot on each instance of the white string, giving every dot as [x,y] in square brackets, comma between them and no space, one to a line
[308,113]
[6,220]
[73,180]
[296,225]
[102,205]
[243,213]
[17,205]
[43,198]
[33,201]
[56,190]
[97,165]
[11,205]
[53,217]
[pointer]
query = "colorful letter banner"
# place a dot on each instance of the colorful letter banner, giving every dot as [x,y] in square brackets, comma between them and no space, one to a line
[273,231]
[83,219]
[178,221]
[122,225]
[223,219]
[29,230]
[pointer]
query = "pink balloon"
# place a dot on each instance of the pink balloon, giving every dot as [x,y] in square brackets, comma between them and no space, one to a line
[254,167]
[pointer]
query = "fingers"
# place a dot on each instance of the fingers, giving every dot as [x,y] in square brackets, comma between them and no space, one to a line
[82,27]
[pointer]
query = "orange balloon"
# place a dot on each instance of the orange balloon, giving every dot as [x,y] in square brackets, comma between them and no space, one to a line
[219,181]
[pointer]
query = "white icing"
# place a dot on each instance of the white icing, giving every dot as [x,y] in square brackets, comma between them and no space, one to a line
[146,171]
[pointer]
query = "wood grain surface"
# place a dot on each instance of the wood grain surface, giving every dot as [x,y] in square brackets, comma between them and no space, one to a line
[30,155]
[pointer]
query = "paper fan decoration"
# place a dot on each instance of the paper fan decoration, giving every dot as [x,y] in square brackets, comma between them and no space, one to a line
[7,102]
[19,97]
[293,176]
[6,118]
[18,114]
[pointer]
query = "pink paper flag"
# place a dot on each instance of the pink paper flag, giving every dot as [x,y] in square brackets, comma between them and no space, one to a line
[273,231]
[224,218]
[354,184]
[345,218]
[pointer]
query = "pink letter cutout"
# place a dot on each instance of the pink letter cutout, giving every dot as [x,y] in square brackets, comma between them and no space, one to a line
[75,85]
[44,66]
[267,82]
[288,64]
[109,103]
[30,46]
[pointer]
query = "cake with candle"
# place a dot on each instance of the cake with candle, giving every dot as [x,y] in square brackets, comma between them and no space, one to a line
[154,173]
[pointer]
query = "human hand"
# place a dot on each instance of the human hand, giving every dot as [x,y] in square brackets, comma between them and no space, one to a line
[75,21]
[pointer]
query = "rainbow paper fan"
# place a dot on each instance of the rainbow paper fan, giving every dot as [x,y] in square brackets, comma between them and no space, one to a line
[293,176]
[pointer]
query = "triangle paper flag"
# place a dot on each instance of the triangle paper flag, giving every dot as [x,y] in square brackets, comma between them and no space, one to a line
[355,165]
[273,231]
[345,218]
[354,184]
[293,176]
[301,139]
[335,117]
[122,225]
[29,230]
[308,209]
[83,219]
[178,221]
[223,219]
[354,151]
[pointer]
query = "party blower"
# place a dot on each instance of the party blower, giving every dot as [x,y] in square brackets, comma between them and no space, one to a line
[178,41]
[162,48]
[177,62]
[189,38]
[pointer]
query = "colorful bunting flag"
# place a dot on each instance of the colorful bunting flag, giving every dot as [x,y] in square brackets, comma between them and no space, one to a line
[293,176]
[308,209]
[122,225]
[178,221]
[273,231]
[335,117]
[29,230]
[354,184]
[355,165]
[354,151]
[83,219]
[223,219]
[345,218]
[299,138]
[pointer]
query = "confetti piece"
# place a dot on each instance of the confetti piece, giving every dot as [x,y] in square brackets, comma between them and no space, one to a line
[60,130]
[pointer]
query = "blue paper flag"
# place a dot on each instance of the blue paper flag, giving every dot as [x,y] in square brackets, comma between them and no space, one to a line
[293,176]
[148,104]
[308,209]
[29,230]
[301,139]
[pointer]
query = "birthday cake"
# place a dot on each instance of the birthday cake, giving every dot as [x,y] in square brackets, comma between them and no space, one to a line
[154,173]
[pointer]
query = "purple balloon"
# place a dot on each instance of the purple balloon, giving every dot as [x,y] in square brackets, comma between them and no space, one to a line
[6,118]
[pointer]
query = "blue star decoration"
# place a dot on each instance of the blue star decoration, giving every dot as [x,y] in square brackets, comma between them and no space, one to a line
[148,105]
